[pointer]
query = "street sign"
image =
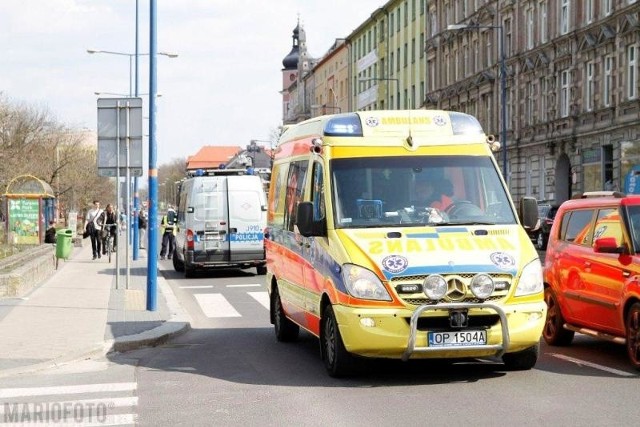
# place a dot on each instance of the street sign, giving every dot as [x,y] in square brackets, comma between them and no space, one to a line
[119,136]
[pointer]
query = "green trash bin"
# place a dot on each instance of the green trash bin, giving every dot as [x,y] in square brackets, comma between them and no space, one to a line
[64,238]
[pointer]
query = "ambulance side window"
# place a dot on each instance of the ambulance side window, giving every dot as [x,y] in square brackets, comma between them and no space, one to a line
[295,190]
[317,192]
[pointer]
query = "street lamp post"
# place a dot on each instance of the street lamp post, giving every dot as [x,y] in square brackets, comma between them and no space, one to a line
[503,86]
[368,79]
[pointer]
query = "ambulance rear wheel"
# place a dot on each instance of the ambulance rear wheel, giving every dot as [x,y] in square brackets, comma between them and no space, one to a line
[286,330]
[337,360]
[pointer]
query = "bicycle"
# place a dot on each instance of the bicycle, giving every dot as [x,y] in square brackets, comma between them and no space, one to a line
[108,241]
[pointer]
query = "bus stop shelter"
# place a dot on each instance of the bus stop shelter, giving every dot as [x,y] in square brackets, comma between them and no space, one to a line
[29,205]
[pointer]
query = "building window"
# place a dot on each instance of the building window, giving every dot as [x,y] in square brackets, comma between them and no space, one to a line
[508,37]
[433,23]
[421,47]
[398,60]
[530,27]
[406,13]
[476,56]
[564,93]
[607,7]
[544,90]
[588,10]
[632,72]
[608,80]
[398,20]
[589,87]
[564,16]
[542,16]
[391,22]
[406,55]
[467,61]
[413,50]
[487,41]
[391,62]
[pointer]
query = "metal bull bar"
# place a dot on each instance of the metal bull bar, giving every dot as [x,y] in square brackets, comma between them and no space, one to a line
[413,325]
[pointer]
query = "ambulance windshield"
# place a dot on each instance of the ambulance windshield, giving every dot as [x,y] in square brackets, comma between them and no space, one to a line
[427,190]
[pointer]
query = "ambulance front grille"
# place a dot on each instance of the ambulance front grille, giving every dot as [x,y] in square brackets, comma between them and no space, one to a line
[458,288]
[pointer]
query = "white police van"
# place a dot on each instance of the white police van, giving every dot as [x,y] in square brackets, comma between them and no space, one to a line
[221,221]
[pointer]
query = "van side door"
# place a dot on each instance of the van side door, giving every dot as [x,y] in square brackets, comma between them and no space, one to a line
[247,206]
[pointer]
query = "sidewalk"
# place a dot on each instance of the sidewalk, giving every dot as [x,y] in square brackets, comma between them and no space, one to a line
[78,313]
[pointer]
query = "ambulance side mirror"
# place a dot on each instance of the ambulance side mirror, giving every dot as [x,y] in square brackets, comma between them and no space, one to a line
[305,222]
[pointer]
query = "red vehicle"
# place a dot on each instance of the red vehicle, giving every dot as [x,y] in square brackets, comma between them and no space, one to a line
[592,271]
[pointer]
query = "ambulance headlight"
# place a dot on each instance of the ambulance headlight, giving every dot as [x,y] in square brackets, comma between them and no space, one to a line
[434,287]
[482,286]
[364,284]
[531,279]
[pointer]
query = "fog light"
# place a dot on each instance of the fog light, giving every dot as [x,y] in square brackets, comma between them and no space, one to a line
[434,287]
[367,322]
[482,286]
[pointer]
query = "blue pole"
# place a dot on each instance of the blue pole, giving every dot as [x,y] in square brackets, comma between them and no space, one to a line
[152,251]
[136,197]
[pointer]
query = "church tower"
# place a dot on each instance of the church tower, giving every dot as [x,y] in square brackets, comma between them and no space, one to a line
[290,70]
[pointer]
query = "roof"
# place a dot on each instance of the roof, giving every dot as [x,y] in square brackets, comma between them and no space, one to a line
[28,186]
[211,156]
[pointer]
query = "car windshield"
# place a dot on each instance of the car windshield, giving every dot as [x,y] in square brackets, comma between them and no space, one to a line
[634,226]
[418,190]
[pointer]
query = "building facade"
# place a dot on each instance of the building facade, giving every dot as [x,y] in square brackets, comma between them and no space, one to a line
[564,74]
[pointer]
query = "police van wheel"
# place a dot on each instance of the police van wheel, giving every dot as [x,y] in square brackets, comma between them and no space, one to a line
[286,330]
[522,360]
[337,360]
[177,264]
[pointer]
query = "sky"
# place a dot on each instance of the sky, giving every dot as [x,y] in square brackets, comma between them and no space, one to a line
[222,89]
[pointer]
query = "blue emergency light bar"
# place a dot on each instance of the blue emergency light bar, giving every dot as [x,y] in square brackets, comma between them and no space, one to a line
[343,125]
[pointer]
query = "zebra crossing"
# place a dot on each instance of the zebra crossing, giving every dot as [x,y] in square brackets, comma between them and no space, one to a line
[217,305]
[104,404]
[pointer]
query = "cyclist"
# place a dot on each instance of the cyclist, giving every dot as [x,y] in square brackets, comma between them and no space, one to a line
[110,226]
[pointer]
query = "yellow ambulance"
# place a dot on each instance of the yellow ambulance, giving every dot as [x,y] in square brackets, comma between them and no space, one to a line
[391,234]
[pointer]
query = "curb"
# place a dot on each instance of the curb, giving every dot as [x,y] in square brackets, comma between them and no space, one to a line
[177,324]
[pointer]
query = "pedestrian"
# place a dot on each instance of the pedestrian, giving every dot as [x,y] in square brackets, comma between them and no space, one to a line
[50,234]
[168,228]
[109,221]
[94,228]
[142,227]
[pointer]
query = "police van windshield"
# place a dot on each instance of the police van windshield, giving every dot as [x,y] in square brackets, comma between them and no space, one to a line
[407,191]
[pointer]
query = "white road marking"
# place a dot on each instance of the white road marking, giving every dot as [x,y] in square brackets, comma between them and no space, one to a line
[216,305]
[593,365]
[252,285]
[65,389]
[261,297]
[197,287]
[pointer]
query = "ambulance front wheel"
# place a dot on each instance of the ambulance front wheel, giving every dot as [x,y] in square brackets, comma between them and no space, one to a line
[337,360]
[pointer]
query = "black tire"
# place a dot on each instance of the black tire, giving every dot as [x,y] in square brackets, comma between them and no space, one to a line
[337,360]
[633,335]
[261,270]
[554,332]
[177,264]
[286,330]
[522,360]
